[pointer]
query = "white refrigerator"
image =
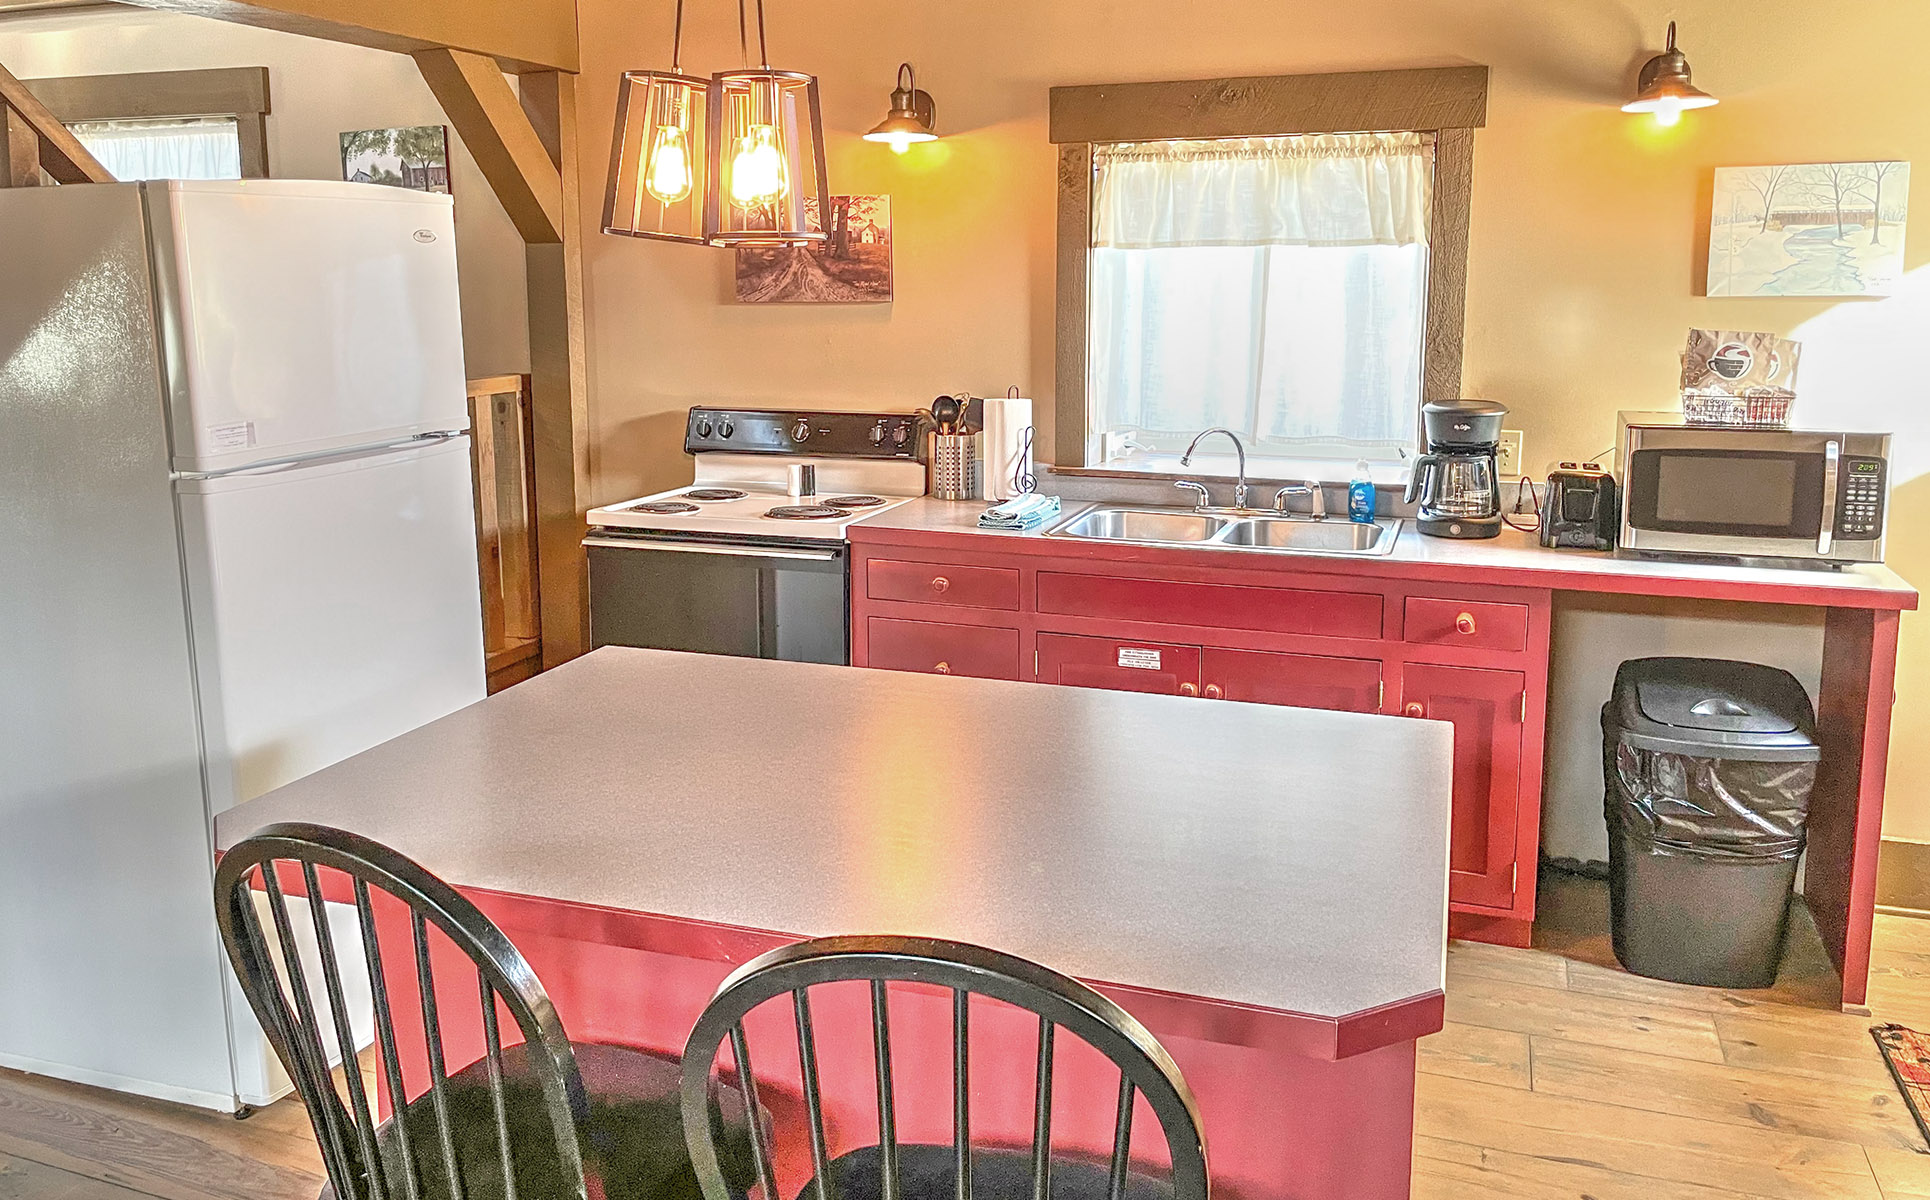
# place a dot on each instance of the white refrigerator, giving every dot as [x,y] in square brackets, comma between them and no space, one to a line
[237,544]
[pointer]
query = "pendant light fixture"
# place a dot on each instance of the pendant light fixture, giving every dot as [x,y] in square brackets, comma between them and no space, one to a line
[659,166]
[1664,89]
[911,115]
[766,153]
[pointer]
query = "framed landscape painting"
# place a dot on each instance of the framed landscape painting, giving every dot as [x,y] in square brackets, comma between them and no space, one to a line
[1808,229]
[851,266]
[414,157]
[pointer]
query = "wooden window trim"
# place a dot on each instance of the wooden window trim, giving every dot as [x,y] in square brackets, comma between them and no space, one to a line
[238,92]
[1448,102]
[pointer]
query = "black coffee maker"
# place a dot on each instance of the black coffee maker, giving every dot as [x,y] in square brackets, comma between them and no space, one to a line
[1457,481]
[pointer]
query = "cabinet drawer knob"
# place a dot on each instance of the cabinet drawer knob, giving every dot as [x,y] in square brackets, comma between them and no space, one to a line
[943,668]
[1464,623]
[1213,691]
[939,583]
[1416,709]
[1189,689]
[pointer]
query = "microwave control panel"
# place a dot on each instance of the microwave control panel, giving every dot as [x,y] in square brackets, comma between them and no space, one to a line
[1859,503]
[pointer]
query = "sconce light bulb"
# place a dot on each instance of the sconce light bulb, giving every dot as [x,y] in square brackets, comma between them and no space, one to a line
[757,172]
[900,145]
[669,177]
[1668,111]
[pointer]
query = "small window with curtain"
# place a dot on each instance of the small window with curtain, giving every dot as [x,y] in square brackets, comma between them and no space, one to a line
[1275,286]
[184,148]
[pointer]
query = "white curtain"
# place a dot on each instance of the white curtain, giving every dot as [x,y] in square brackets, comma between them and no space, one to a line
[187,148]
[1275,286]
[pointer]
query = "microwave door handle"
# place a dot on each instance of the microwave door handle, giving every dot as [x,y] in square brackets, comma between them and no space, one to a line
[1832,453]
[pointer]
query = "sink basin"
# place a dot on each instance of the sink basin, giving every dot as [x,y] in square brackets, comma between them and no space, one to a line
[1231,531]
[1332,537]
[1144,525]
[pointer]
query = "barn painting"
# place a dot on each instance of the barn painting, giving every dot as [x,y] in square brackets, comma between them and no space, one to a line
[851,266]
[1808,229]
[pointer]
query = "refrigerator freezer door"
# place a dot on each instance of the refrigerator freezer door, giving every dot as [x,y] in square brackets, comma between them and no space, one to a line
[301,317]
[110,968]
[334,606]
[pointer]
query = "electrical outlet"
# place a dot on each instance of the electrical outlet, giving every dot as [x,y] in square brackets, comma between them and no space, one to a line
[1507,456]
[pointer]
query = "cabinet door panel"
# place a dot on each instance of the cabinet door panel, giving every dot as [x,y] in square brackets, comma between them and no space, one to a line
[1485,709]
[1121,666]
[1300,680]
[937,648]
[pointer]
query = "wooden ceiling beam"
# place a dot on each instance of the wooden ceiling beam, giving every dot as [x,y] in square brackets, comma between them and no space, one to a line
[29,126]
[485,111]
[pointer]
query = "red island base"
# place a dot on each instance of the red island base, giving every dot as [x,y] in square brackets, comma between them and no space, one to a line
[1292,1105]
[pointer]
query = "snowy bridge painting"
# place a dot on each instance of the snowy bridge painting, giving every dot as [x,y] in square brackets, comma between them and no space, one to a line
[1811,229]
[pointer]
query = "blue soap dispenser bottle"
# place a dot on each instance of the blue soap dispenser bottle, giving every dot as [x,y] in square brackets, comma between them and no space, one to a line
[1360,495]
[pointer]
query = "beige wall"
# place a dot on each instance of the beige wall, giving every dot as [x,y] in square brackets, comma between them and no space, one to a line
[318,90]
[1588,232]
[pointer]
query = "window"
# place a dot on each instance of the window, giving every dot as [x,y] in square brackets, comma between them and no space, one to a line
[1273,286]
[1283,256]
[190,148]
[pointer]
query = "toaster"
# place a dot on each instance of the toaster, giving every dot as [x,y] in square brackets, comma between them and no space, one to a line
[1581,509]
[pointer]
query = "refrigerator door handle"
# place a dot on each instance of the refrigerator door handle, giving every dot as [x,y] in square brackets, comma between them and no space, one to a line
[296,461]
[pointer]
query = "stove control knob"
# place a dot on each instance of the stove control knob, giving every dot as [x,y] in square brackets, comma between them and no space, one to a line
[725,429]
[878,434]
[703,427]
[801,430]
[900,434]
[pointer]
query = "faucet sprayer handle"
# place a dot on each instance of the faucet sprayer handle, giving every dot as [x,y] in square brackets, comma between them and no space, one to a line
[1206,498]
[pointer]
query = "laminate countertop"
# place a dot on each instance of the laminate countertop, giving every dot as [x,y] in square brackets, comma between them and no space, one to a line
[1289,859]
[1514,559]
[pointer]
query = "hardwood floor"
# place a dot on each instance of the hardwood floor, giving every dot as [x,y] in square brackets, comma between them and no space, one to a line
[1559,1076]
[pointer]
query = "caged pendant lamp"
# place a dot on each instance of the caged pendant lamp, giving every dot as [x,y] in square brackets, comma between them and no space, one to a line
[659,166]
[766,143]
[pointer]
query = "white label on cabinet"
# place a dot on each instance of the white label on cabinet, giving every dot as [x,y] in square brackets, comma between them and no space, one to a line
[1139,658]
[236,435]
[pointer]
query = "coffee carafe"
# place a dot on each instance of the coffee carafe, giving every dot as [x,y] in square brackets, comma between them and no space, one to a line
[1457,480]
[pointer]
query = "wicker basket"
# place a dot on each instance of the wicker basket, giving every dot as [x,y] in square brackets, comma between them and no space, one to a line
[1756,412]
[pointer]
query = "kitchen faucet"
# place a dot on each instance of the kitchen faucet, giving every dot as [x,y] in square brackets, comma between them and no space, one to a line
[1239,489]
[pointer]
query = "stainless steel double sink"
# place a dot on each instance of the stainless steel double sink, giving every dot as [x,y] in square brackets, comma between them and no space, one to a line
[1230,531]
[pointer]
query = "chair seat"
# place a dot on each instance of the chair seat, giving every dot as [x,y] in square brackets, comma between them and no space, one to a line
[926,1173]
[632,1142]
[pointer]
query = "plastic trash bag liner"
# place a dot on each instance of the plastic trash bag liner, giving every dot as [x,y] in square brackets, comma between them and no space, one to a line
[1699,807]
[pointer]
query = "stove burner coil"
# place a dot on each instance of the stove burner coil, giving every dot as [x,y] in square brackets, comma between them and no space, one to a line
[859,501]
[715,494]
[662,508]
[805,512]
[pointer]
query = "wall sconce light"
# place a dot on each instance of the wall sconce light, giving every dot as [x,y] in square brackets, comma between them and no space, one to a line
[1664,89]
[911,115]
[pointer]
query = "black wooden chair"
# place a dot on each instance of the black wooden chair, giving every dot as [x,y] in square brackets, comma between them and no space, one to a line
[964,1169]
[534,1119]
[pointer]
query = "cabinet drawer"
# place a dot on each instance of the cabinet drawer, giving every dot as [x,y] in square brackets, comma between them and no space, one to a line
[940,649]
[938,583]
[1119,666]
[1478,624]
[1215,605]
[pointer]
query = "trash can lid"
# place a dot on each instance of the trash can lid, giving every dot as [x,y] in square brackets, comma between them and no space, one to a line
[1712,707]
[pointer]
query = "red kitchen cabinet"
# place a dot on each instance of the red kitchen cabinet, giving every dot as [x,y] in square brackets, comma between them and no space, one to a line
[1121,666]
[1298,680]
[937,648]
[1485,707]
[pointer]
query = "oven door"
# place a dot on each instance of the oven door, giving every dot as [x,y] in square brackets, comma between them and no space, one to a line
[749,598]
[1740,493]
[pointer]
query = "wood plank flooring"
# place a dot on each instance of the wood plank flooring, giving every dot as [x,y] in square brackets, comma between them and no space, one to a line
[1559,1076]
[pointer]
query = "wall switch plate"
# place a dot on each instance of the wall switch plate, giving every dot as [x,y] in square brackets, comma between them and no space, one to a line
[1507,456]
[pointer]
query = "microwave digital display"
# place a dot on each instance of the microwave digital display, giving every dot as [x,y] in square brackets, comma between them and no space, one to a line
[1725,490]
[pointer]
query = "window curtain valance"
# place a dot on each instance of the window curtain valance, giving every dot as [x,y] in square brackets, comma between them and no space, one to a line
[1357,189]
[184,148]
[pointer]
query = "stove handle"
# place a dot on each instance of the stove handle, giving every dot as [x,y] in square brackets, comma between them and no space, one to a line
[610,543]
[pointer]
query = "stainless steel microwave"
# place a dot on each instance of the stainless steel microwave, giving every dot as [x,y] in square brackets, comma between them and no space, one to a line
[1731,492]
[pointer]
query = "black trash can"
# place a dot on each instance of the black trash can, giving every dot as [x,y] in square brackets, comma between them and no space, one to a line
[1709,766]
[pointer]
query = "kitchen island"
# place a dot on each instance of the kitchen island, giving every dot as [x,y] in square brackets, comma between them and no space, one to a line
[1264,887]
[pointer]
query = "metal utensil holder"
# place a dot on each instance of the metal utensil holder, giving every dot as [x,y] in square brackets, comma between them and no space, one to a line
[954,466]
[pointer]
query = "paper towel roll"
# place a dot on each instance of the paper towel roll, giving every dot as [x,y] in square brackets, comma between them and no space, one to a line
[1007,440]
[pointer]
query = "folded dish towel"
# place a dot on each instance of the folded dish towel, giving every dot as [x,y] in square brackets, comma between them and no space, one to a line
[1023,512]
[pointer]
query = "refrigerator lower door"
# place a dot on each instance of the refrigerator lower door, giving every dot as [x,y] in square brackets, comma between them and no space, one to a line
[301,317]
[333,605]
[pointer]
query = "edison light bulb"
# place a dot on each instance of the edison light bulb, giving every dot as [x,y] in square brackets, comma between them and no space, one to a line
[757,172]
[669,176]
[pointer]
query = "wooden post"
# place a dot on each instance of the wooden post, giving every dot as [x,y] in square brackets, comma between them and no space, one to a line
[36,141]
[19,151]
